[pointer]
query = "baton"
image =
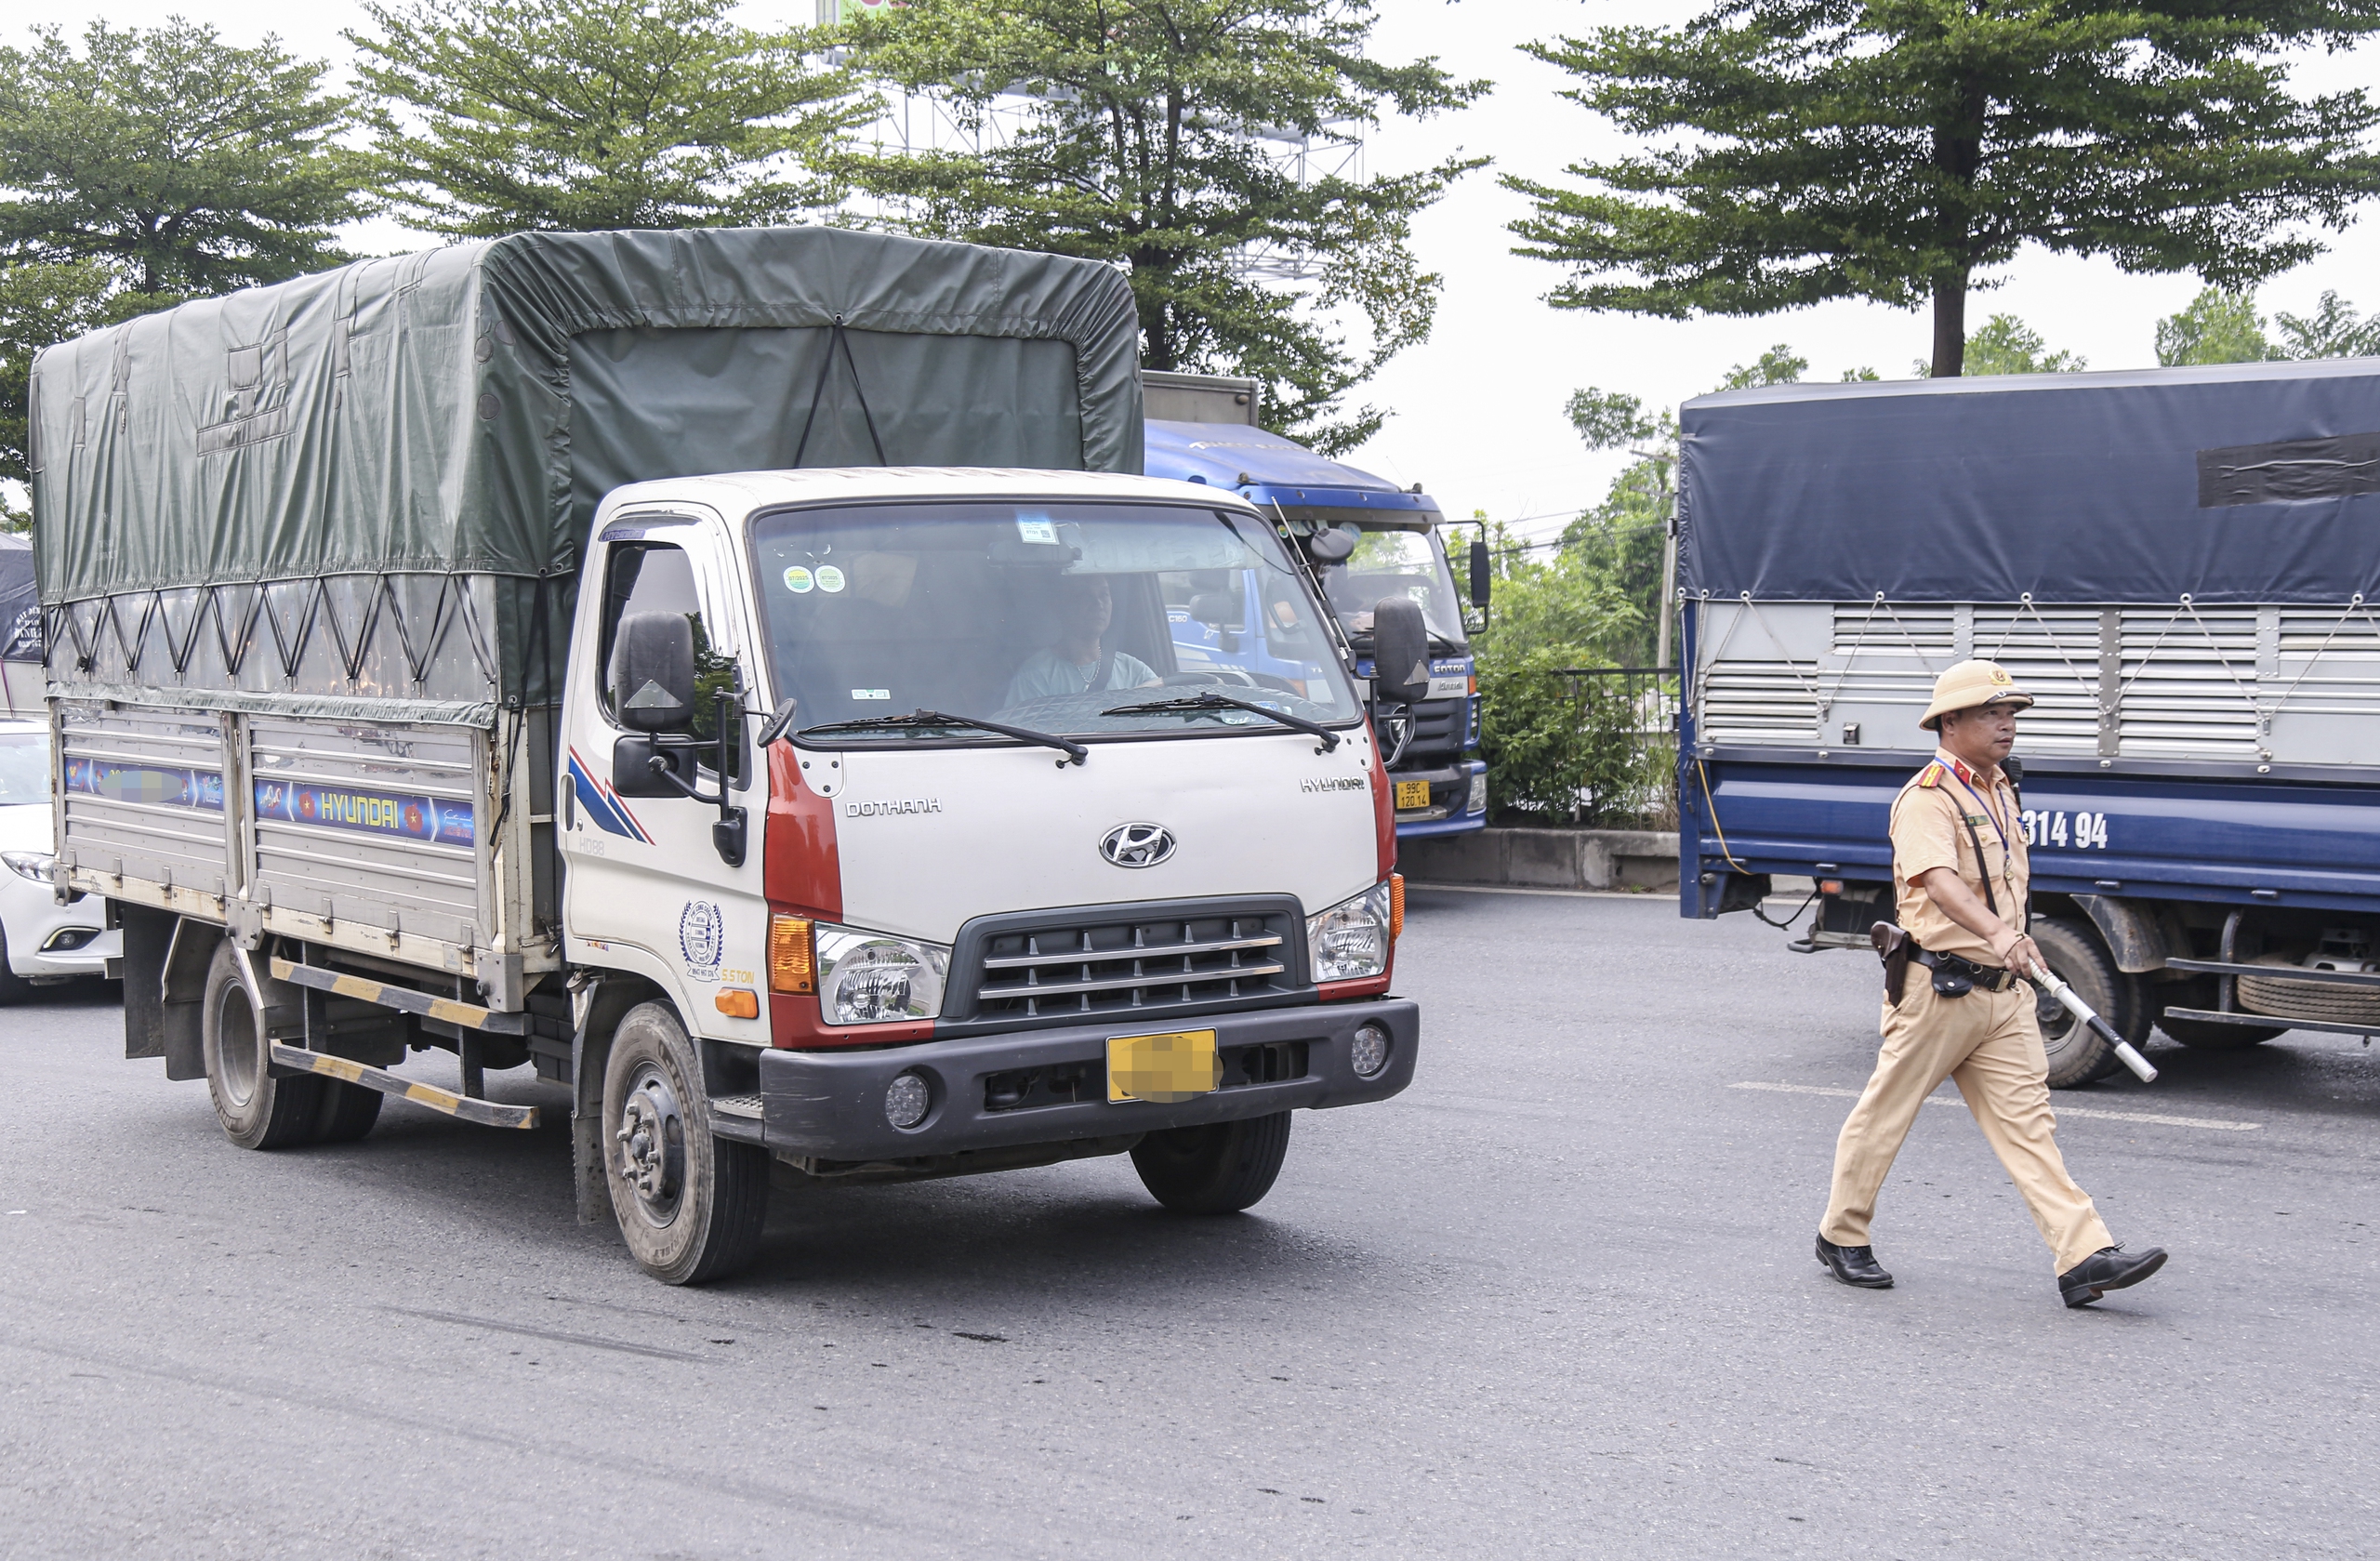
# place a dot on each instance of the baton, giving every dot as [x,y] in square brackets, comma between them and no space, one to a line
[2046,979]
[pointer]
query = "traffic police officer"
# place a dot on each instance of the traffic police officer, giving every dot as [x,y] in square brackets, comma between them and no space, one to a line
[1960,876]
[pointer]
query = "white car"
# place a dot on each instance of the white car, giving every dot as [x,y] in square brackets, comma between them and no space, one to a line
[44,940]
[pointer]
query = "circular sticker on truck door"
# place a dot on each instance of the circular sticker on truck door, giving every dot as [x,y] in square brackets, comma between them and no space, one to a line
[699,926]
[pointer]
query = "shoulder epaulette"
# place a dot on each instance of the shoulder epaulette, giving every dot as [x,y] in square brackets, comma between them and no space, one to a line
[1931,776]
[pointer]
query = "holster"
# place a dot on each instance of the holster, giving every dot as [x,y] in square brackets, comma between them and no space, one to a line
[1893,948]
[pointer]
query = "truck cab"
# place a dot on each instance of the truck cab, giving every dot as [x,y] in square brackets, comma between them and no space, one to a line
[954,910]
[1202,429]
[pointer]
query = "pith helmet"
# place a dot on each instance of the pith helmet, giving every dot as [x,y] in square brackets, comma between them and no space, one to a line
[1968,684]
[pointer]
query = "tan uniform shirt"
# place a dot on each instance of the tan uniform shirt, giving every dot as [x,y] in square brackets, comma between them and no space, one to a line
[1929,830]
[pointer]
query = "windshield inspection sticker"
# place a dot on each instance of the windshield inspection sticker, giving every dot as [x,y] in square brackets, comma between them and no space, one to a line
[1036,528]
[871,693]
[798,579]
[829,578]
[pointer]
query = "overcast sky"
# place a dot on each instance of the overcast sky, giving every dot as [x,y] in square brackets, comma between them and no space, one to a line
[1478,412]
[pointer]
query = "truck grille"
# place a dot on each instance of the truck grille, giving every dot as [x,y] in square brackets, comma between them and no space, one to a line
[1133,962]
[1436,728]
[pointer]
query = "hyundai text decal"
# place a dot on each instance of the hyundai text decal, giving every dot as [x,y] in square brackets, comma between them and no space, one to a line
[1333,783]
[891,806]
[441,820]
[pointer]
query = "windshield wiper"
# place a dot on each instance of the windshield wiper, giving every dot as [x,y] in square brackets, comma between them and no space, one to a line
[1075,753]
[1210,701]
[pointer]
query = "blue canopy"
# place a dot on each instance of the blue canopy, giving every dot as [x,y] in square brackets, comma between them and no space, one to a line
[2247,482]
[1270,469]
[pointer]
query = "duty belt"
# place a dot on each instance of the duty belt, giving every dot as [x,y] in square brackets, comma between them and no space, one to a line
[1992,978]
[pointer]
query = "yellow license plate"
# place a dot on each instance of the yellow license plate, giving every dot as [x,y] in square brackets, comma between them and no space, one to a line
[1412,794]
[1180,1066]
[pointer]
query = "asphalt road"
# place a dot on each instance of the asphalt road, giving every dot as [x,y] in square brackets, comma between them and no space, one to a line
[1557,1300]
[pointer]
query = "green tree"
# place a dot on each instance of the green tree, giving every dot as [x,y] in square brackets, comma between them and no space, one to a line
[490,116]
[154,165]
[2332,331]
[2217,327]
[191,166]
[1153,135]
[1900,150]
[2005,344]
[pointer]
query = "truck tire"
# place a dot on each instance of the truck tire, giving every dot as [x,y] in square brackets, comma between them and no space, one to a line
[689,1206]
[258,1110]
[2076,1054]
[348,1112]
[1218,1168]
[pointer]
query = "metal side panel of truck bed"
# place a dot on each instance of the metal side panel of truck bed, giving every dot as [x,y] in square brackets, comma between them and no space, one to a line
[2173,751]
[386,838]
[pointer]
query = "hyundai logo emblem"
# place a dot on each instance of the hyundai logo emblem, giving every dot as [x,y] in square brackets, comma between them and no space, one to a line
[1137,845]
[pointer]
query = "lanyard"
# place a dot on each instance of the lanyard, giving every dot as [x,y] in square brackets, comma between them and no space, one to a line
[2008,856]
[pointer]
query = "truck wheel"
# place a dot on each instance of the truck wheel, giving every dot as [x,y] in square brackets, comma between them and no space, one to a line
[258,1110]
[2076,1054]
[1218,1168]
[689,1206]
[347,1113]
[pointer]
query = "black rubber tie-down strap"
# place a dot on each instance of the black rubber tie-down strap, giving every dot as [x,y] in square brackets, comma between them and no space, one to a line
[818,393]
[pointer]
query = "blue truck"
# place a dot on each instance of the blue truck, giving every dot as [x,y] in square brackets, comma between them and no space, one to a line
[2182,565]
[1203,429]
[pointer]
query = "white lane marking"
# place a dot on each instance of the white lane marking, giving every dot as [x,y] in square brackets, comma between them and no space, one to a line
[2214,1124]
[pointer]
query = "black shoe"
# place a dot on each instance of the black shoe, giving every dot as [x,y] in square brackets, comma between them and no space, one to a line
[1855,1265]
[2109,1268]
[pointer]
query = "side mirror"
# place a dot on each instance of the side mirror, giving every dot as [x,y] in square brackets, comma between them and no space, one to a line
[1482,571]
[1219,610]
[1333,544]
[653,672]
[1400,650]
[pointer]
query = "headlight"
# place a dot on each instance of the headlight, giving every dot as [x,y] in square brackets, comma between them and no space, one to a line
[870,978]
[1477,800]
[34,864]
[1350,940]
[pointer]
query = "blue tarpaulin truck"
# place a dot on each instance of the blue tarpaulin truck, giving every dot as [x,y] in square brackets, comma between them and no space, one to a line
[1202,428]
[2181,565]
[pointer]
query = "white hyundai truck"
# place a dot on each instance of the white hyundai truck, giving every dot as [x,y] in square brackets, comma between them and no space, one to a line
[730,673]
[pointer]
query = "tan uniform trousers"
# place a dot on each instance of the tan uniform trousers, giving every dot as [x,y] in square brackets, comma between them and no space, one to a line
[1991,1043]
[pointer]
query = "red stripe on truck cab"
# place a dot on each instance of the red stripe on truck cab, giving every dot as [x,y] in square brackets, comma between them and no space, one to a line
[802,875]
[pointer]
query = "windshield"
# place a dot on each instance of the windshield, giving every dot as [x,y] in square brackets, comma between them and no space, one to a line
[24,767]
[1045,616]
[1395,563]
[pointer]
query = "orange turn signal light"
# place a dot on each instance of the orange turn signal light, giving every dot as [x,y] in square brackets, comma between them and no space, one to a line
[793,958]
[738,1002]
[1395,906]
[1830,886]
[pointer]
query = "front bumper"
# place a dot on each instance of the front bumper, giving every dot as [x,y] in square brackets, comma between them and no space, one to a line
[829,1105]
[33,920]
[1450,791]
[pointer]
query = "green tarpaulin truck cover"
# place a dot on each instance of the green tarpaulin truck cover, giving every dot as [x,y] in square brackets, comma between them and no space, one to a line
[456,416]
